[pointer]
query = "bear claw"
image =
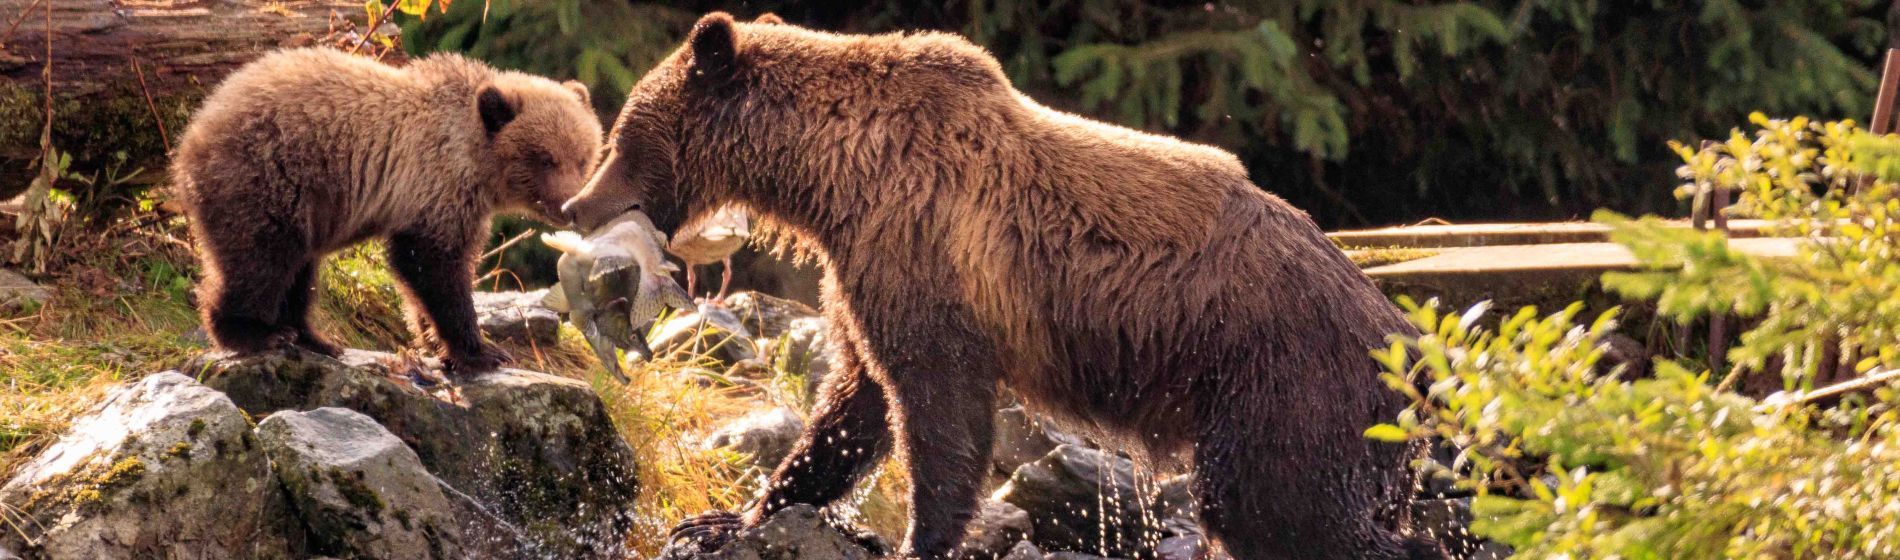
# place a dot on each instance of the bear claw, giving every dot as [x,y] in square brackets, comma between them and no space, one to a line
[488,359]
[706,532]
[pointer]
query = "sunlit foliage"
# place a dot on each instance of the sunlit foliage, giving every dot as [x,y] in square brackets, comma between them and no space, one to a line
[1573,459]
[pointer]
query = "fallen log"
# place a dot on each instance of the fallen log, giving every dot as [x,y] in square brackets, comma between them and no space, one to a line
[126,74]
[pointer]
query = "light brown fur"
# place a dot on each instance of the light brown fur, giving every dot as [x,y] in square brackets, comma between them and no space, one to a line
[1136,287]
[307,151]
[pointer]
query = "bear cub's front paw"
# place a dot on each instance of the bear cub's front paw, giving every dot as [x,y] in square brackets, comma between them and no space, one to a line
[487,359]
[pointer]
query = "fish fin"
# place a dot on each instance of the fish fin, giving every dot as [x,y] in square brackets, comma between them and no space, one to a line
[608,264]
[567,242]
[677,296]
[556,299]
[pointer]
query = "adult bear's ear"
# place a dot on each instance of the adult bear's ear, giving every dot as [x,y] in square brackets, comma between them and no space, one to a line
[715,45]
[770,19]
[495,109]
[579,90]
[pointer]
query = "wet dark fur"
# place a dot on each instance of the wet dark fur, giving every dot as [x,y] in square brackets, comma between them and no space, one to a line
[1135,287]
[304,152]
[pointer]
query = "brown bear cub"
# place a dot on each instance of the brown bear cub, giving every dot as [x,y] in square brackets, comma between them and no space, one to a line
[1133,287]
[304,152]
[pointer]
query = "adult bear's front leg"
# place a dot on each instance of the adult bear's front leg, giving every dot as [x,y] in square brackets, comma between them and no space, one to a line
[940,373]
[848,434]
[437,274]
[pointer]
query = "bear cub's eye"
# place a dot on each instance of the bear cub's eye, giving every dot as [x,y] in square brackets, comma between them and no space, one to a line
[541,160]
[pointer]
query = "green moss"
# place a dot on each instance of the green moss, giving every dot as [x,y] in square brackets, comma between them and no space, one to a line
[95,126]
[123,472]
[356,492]
[197,427]
[1368,258]
[87,496]
[20,116]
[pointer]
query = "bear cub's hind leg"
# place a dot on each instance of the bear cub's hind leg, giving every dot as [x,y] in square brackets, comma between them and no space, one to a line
[295,314]
[245,303]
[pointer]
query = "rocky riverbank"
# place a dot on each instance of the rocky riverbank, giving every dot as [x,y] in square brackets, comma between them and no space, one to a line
[372,455]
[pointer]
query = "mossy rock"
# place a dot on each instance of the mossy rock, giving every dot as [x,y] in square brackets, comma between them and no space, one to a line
[137,477]
[535,450]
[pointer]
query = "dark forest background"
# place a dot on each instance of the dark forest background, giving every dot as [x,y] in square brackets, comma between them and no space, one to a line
[1362,112]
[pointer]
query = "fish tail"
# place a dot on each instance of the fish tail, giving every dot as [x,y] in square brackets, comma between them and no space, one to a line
[566,242]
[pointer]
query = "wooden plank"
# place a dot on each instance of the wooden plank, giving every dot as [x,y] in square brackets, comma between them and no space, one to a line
[1493,234]
[1590,257]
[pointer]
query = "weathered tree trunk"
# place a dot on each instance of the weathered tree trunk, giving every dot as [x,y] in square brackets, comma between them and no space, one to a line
[126,74]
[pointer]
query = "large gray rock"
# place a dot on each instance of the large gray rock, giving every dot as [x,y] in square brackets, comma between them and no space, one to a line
[537,451]
[1187,547]
[17,292]
[711,331]
[767,316]
[163,468]
[995,532]
[1085,500]
[767,436]
[360,492]
[517,317]
[796,533]
[1024,550]
[803,349]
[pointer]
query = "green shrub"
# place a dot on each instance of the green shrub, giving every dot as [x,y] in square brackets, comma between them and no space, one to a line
[1572,459]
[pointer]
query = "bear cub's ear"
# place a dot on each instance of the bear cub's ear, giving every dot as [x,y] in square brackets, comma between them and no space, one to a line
[579,89]
[769,18]
[715,45]
[495,109]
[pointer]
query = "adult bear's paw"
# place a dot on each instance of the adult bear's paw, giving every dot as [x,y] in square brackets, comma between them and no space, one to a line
[707,532]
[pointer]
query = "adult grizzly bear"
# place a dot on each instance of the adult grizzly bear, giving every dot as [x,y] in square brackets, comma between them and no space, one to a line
[1133,286]
[304,152]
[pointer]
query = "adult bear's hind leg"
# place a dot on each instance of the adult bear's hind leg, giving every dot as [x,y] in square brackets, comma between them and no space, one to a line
[1265,495]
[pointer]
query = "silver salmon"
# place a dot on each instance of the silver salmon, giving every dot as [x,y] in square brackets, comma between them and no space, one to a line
[613,284]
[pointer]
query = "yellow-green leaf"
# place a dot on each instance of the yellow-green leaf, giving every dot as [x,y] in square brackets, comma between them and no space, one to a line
[1386,433]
